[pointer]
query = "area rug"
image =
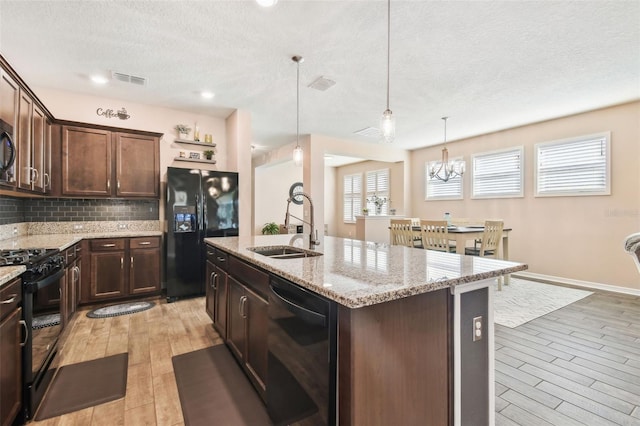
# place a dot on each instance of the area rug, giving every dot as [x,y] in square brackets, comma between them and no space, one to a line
[522,301]
[82,385]
[214,391]
[120,309]
[44,321]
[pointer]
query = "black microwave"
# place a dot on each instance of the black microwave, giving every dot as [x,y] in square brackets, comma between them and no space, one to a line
[7,154]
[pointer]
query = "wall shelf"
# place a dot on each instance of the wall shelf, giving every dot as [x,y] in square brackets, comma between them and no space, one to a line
[188,142]
[193,160]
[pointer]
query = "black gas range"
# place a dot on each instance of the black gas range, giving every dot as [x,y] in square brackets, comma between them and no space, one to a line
[41,313]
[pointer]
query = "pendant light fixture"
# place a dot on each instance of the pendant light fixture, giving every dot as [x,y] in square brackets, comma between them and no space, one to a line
[445,169]
[297,151]
[388,121]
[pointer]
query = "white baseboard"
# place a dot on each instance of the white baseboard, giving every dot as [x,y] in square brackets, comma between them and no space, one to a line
[588,285]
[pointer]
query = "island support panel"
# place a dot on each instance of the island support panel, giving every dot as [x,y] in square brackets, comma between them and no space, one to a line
[395,362]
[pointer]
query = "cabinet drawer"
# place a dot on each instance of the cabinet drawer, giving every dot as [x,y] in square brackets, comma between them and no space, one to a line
[70,255]
[221,259]
[107,244]
[144,242]
[211,253]
[10,297]
[253,278]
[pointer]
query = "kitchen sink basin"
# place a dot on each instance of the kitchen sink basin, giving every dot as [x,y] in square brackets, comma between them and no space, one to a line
[283,252]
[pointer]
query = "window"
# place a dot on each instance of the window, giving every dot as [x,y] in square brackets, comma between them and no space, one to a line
[378,184]
[577,166]
[435,189]
[498,174]
[352,197]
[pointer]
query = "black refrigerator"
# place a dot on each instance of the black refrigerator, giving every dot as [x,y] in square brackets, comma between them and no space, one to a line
[200,204]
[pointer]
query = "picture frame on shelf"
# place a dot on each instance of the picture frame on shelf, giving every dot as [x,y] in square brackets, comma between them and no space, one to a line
[194,155]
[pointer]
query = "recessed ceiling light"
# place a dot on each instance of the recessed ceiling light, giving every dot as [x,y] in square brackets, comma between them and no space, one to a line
[267,3]
[207,95]
[99,79]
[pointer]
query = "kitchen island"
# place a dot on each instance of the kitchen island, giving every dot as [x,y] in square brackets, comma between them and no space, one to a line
[407,350]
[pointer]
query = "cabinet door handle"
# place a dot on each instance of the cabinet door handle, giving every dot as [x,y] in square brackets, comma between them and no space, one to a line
[131,262]
[145,243]
[26,332]
[118,184]
[76,272]
[108,245]
[109,185]
[243,302]
[122,262]
[210,253]
[47,180]
[212,280]
[8,301]
[221,259]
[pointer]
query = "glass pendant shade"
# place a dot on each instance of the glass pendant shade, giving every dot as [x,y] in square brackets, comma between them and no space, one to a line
[388,126]
[298,155]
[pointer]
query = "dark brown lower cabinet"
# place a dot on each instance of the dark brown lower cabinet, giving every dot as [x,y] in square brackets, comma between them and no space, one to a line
[121,268]
[10,352]
[247,331]
[70,285]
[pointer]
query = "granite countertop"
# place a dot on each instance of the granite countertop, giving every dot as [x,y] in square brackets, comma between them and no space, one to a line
[58,241]
[358,273]
[7,273]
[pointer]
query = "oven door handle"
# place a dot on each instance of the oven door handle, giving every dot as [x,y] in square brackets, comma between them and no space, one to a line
[51,279]
[300,311]
[26,332]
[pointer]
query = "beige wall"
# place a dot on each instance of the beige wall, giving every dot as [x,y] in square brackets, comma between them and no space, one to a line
[396,181]
[271,187]
[579,238]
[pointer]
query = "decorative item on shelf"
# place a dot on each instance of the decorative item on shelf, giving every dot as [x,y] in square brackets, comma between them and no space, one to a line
[365,212]
[208,138]
[297,151]
[194,155]
[196,133]
[270,228]
[183,154]
[183,131]
[392,212]
[208,154]
[378,202]
[449,169]
[388,121]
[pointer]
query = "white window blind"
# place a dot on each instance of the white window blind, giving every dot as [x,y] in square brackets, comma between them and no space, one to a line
[577,166]
[435,189]
[378,184]
[498,174]
[352,197]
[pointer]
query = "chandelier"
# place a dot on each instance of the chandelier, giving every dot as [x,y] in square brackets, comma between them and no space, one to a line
[388,121]
[445,169]
[297,151]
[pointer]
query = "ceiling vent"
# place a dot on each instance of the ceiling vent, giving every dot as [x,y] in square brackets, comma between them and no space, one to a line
[370,132]
[126,78]
[322,84]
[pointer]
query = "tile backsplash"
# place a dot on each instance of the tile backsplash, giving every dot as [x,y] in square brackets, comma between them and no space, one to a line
[11,210]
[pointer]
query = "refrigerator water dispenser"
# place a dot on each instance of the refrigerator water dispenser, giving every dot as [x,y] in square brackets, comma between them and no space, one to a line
[184,219]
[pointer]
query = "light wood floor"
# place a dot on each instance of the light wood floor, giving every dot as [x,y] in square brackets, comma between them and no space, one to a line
[579,365]
[151,337]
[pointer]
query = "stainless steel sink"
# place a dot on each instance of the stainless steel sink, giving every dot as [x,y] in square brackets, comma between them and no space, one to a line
[283,252]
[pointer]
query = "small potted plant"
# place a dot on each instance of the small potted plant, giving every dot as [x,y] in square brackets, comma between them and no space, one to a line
[208,154]
[365,211]
[270,228]
[183,130]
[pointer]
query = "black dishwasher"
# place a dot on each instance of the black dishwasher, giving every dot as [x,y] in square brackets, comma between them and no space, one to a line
[301,377]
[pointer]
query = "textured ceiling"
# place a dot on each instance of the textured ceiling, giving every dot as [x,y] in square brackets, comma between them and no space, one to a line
[488,65]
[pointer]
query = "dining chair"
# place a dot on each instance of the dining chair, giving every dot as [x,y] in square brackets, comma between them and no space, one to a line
[435,235]
[417,237]
[401,232]
[491,238]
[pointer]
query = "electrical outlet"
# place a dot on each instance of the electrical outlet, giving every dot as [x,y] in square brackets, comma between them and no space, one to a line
[478,325]
[78,227]
[123,226]
[15,230]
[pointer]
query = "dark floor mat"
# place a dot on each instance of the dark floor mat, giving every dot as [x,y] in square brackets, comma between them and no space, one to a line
[214,391]
[82,385]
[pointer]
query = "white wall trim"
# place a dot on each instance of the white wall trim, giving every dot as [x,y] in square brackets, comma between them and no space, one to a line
[578,283]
